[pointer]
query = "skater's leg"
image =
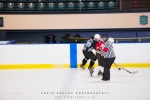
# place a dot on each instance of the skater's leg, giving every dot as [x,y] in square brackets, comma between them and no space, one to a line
[105,70]
[98,58]
[93,58]
[91,64]
[84,61]
[100,64]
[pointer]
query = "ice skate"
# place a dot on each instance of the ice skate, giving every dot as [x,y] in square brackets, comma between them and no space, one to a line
[100,73]
[82,67]
[97,71]
[90,71]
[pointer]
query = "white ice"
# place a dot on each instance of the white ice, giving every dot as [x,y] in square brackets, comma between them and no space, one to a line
[31,85]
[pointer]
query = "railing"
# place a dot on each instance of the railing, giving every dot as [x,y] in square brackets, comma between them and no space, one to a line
[135,39]
[140,4]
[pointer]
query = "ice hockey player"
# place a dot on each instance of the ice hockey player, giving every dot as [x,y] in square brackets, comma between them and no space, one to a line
[88,53]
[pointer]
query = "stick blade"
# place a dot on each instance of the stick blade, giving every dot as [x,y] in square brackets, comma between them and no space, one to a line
[134,72]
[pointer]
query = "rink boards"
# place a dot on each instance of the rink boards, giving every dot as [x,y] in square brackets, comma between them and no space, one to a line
[68,55]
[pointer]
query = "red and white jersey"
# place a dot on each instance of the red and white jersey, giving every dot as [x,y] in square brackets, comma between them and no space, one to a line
[100,46]
[110,53]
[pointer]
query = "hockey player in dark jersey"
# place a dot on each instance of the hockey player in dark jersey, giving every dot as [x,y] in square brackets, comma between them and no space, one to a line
[87,51]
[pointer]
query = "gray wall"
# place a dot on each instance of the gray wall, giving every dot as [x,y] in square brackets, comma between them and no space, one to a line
[2,35]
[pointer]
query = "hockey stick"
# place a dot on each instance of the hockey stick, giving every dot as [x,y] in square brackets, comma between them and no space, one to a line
[117,67]
[124,69]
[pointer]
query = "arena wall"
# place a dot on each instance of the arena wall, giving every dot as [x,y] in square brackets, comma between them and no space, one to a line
[68,55]
[73,21]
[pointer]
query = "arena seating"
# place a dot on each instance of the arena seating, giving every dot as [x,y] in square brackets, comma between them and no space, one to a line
[56,5]
[71,5]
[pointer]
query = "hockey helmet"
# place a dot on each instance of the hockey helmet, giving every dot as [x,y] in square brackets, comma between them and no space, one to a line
[97,36]
[111,39]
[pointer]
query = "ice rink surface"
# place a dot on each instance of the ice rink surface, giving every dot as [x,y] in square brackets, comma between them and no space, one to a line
[50,84]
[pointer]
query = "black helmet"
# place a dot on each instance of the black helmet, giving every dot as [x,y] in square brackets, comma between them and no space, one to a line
[104,36]
[92,37]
